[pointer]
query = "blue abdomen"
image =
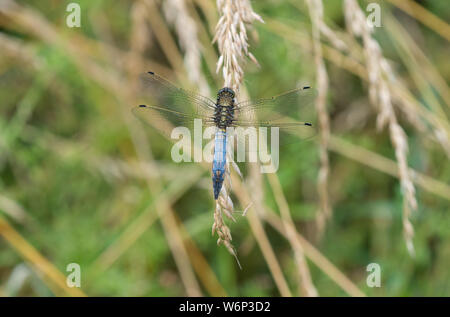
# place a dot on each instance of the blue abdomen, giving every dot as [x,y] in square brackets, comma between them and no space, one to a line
[220,156]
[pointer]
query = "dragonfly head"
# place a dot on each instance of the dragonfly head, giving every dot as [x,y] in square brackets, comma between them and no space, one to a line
[226,92]
[225,96]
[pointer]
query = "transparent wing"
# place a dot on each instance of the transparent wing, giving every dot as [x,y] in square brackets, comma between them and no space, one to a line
[292,112]
[175,98]
[165,120]
[175,107]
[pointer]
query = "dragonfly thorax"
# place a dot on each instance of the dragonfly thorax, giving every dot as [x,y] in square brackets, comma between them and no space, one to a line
[224,113]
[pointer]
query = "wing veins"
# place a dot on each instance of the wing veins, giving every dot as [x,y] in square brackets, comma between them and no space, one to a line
[247,105]
[178,113]
[271,124]
[196,98]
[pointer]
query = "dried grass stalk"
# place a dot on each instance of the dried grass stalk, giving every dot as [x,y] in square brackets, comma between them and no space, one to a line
[379,72]
[231,37]
[141,36]
[177,14]
[316,13]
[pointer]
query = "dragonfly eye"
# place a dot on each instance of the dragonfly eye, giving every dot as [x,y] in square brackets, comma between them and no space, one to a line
[226,92]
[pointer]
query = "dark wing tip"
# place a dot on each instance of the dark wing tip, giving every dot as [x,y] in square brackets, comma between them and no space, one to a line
[151,73]
[308,124]
[306,87]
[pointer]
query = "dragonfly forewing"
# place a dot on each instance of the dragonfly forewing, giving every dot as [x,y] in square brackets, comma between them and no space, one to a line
[288,117]
[168,106]
[296,104]
[165,93]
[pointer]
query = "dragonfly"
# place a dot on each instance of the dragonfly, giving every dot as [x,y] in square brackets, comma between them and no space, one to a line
[179,107]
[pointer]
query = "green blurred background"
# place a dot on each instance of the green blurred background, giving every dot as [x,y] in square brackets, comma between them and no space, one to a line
[77,184]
